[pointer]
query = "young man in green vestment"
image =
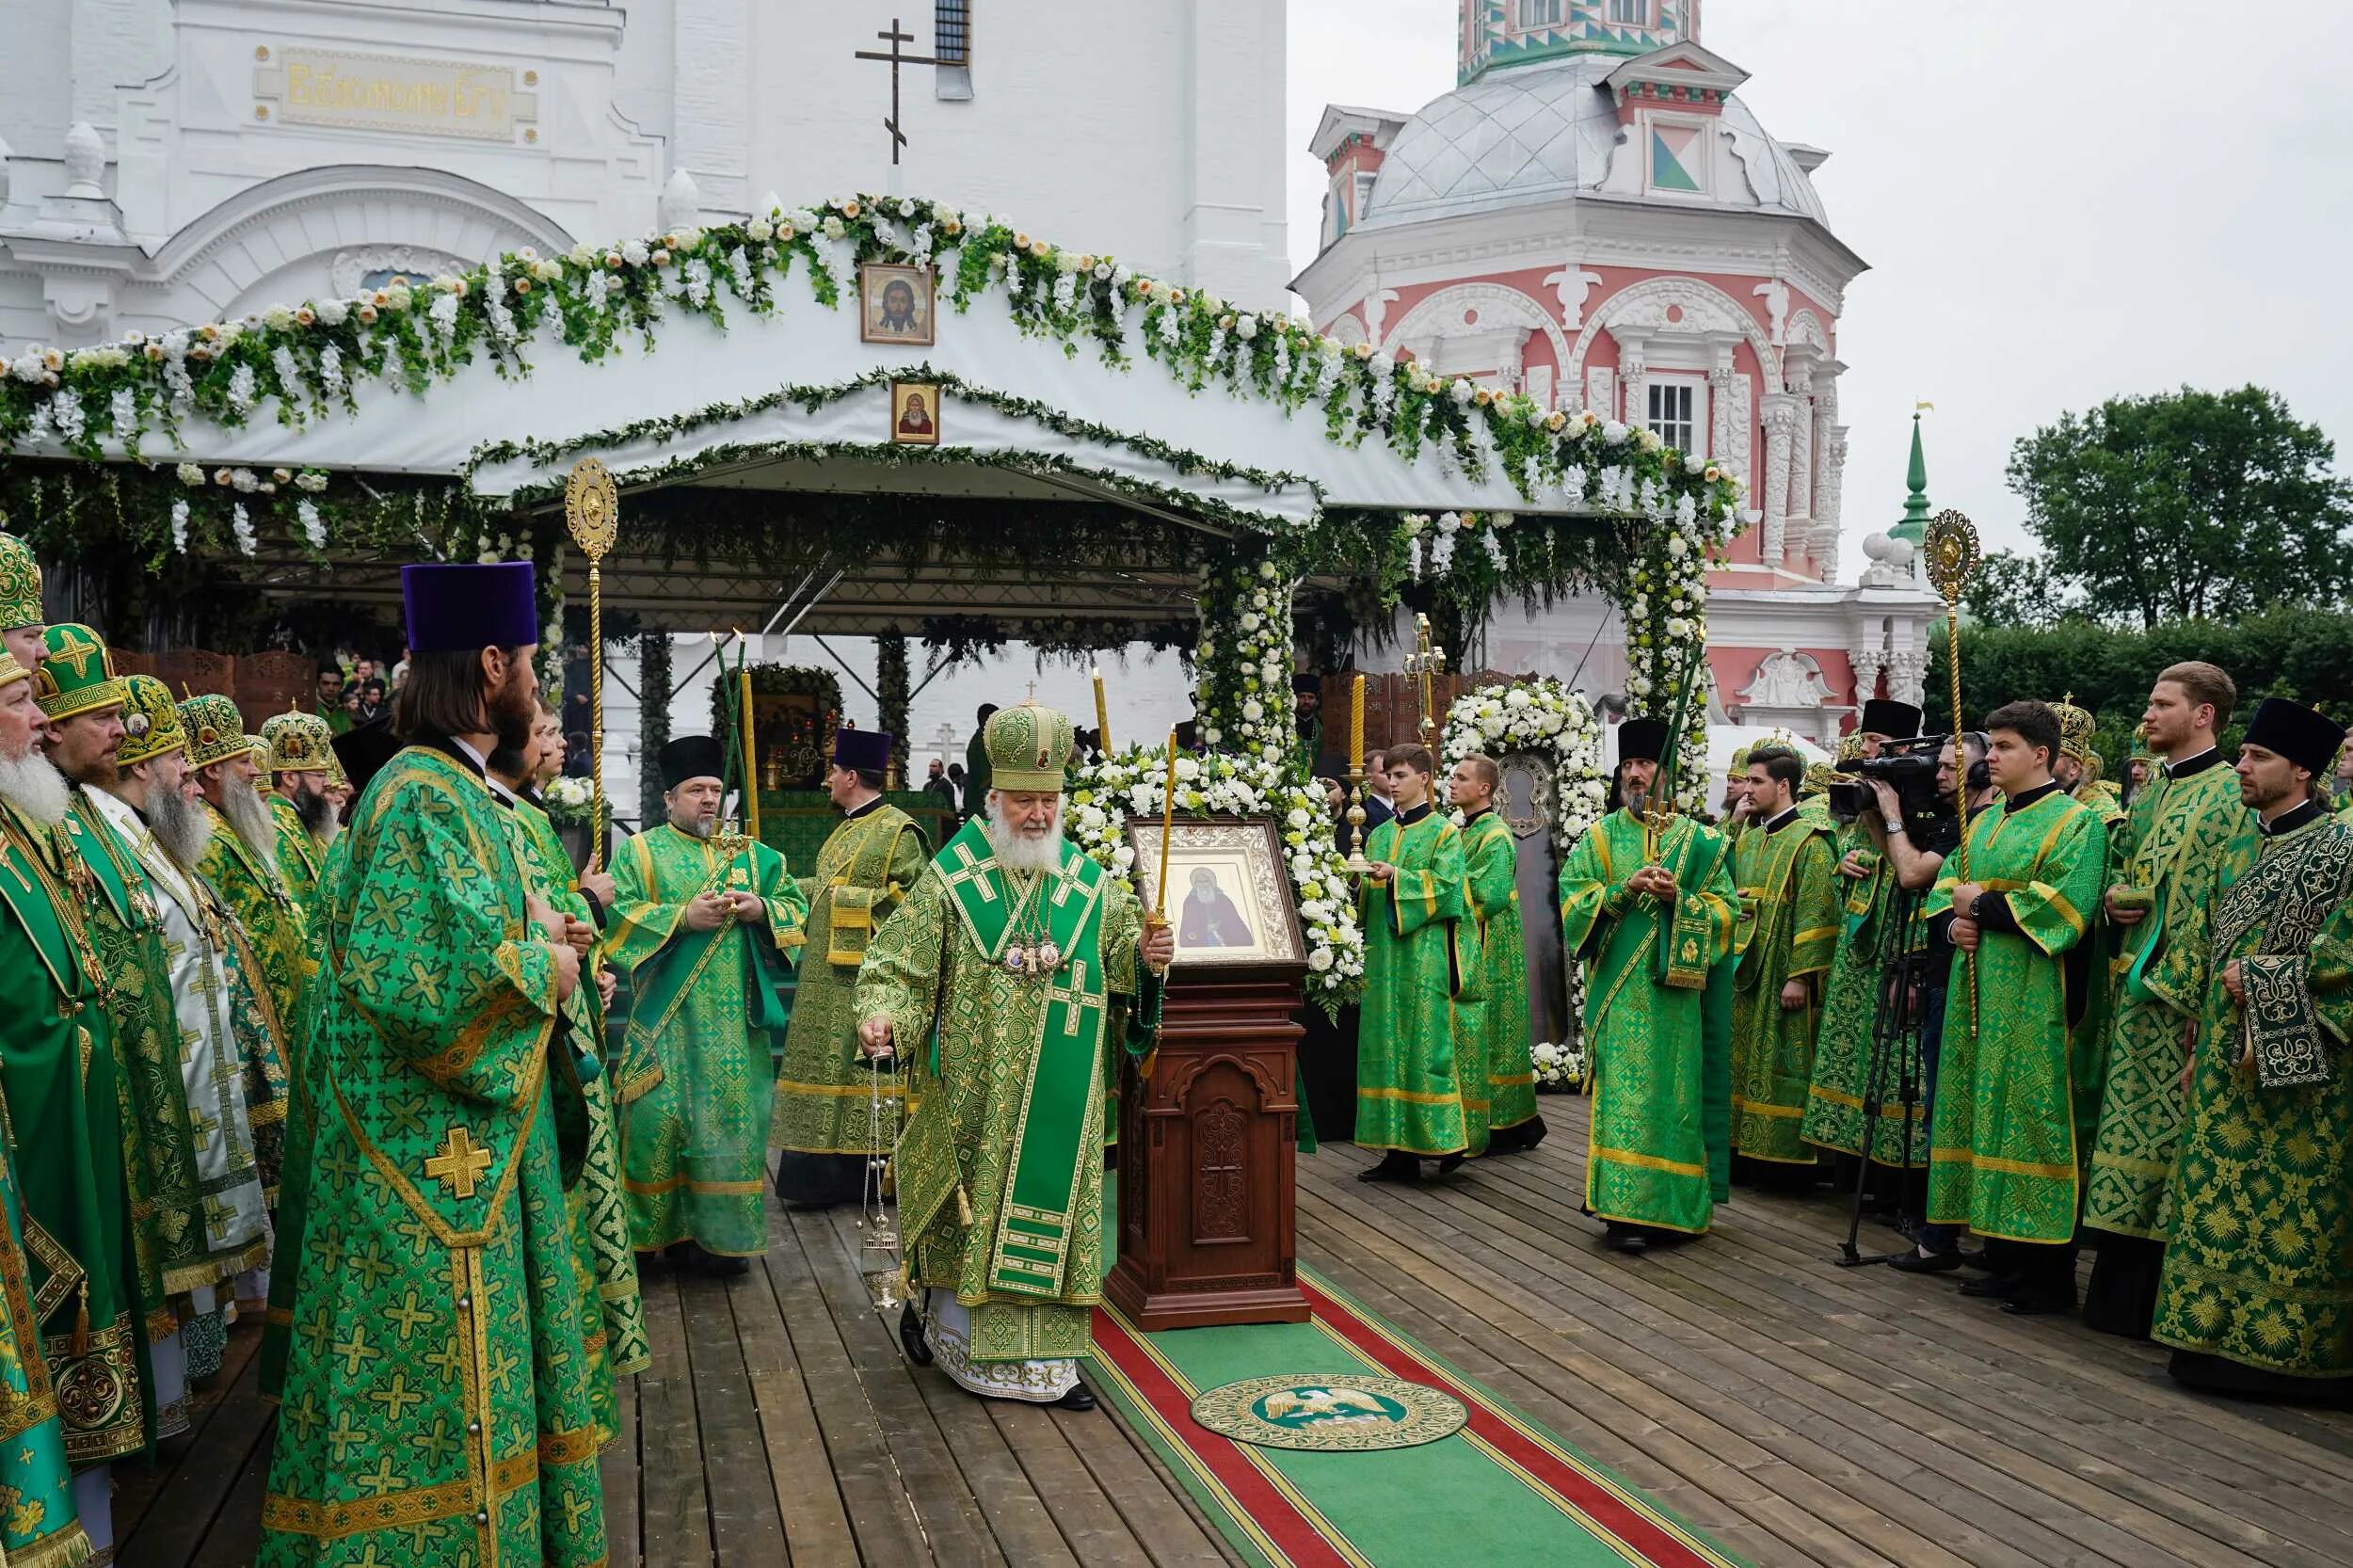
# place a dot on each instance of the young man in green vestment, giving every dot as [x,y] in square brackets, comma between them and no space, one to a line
[1011,967]
[612,1308]
[1785,873]
[1852,994]
[824,1085]
[425,1335]
[2159,904]
[1421,1001]
[242,861]
[700,921]
[1653,918]
[300,748]
[2077,769]
[2256,1296]
[1499,1085]
[2004,1158]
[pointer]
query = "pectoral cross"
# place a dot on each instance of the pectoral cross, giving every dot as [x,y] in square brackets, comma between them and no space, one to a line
[895,37]
[460,1165]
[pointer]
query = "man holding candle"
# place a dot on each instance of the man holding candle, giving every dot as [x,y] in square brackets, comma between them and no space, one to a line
[1421,983]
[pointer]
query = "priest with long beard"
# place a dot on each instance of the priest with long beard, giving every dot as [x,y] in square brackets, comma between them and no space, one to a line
[1012,961]
[300,748]
[242,860]
[702,922]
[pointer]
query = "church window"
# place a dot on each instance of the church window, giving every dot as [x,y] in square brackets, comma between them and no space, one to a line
[951,31]
[1630,13]
[1539,13]
[1679,414]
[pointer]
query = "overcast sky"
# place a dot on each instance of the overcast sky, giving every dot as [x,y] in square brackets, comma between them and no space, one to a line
[2061,200]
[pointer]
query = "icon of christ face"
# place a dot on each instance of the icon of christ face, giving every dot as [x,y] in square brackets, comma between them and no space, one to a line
[897,308]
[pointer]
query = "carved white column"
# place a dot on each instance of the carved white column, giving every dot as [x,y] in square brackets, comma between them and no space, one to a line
[1631,371]
[1781,430]
[1907,673]
[1801,451]
[1719,444]
[1830,480]
[1868,659]
[1827,432]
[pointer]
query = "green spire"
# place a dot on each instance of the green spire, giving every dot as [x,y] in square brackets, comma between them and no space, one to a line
[1914,525]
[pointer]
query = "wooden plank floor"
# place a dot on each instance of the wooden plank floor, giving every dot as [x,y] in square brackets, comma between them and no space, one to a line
[1800,1413]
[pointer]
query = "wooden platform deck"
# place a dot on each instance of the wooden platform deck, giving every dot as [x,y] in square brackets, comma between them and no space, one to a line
[1801,1413]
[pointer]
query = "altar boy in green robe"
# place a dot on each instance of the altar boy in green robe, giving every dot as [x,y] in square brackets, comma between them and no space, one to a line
[700,919]
[1652,923]
[1785,872]
[2003,1157]
[2256,1297]
[1499,1083]
[1421,986]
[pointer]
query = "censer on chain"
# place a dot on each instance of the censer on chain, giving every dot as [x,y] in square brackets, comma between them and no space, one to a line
[879,1261]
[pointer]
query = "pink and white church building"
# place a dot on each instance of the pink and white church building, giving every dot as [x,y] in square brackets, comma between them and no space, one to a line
[1595,216]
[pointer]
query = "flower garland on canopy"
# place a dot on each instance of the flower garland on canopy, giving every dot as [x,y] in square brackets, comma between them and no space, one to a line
[1542,715]
[1244,661]
[1104,794]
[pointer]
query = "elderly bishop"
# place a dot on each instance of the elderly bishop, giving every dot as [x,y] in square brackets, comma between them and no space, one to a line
[300,749]
[703,922]
[1013,960]
[242,860]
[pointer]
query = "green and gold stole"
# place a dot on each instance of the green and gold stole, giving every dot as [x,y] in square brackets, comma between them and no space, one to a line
[663,980]
[1032,1248]
[2164,825]
[2295,888]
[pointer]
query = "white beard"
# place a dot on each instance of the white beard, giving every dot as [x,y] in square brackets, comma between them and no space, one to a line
[1022,853]
[240,803]
[180,825]
[33,785]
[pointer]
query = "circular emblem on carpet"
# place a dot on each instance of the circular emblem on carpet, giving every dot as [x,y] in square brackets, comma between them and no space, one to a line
[1349,1414]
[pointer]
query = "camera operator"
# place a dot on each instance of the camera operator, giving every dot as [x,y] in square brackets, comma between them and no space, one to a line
[1917,866]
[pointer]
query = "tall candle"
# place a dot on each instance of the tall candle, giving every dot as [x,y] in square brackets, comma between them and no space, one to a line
[1102,715]
[1168,830]
[1356,724]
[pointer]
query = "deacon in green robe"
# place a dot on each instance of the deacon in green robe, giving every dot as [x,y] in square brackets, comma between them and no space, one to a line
[242,861]
[1867,893]
[613,1318]
[1654,922]
[95,1248]
[2256,1296]
[424,1333]
[300,749]
[701,922]
[1499,1080]
[1011,962]
[2004,1158]
[824,1123]
[2159,906]
[2077,770]
[1422,1026]
[1784,871]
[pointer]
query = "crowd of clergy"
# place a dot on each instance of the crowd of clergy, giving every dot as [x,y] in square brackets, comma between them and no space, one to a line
[2115,1019]
[312,1024]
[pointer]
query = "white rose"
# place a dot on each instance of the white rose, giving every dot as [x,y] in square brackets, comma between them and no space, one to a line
[1124,854]
[1188,770]
[1320,960]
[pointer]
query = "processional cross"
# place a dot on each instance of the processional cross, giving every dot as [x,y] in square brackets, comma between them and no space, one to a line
[895,37]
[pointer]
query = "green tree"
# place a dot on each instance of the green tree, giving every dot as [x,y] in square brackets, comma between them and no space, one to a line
[2012,589]
[2188,505]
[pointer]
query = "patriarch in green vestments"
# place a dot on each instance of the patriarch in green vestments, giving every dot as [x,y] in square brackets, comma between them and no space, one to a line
[1499,1078]
[1784,871]
[301,750]
[2004,1156]
[2158,907]
[2256,1296]
[1652,913]
[824,1123]
[1010,969]
[425,1335]
[703,922]
[1422,1020]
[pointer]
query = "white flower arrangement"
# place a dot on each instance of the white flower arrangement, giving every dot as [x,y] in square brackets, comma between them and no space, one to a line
[568,799]
[1560,1068]
[1543,716]
[1103,795]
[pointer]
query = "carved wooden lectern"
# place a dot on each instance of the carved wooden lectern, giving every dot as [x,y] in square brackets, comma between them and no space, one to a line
[1207,1152]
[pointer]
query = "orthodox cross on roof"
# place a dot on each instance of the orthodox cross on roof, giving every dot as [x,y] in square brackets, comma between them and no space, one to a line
[895,37]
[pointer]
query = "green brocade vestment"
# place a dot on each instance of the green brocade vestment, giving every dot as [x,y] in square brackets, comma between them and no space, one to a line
[1499,1083]
[1421,1022]
[2259,1260]
[863,871]
[249,883]
[425,1328]
[1662,1085]
[697,1077]
[2003,1152]
[1787,882]
[1851,1002]
[2173,845]
[297,853]
[1000,1168]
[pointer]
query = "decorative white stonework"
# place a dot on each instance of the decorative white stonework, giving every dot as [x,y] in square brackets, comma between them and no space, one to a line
[1571,285]
[85,163]
[1495,318]
[1868,660]
[1376,309]
[1781,430]
[1787,678]
[1907,675]
[1601,390]
[346,273]
[1776,296]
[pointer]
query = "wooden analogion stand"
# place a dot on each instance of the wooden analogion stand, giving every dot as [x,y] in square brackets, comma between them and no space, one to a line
[1207,1140]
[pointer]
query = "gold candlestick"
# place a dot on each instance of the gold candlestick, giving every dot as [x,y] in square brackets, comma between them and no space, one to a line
[1426,660]
[1168,827]
[1356,865]
[751,753]
[1102,715]
[592,514]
